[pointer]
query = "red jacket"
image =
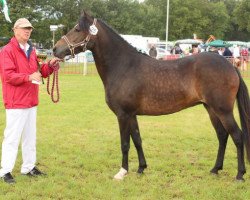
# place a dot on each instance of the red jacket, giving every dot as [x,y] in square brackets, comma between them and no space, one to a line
[15,67]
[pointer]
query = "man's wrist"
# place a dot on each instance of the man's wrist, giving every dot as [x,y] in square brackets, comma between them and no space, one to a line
[28,78]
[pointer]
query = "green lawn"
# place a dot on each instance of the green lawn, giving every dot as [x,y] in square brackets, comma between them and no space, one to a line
[78,145]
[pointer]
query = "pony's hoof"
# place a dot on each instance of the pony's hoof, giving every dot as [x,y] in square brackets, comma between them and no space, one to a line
[240,179]
[121,174]
[140,170]
[214,172]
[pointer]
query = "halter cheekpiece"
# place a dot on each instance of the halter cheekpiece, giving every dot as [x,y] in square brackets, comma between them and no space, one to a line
[92,31]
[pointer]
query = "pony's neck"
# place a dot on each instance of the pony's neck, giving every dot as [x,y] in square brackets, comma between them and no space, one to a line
[111,52]
[110,43]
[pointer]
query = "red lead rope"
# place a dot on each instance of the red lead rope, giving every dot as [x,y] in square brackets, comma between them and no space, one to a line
[54,82]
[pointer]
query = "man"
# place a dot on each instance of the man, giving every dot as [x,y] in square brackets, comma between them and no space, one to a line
[20,73]
[153,51]
[176,50]
[227,52]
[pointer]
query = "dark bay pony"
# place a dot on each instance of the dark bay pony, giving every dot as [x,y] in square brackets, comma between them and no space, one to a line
[136,84]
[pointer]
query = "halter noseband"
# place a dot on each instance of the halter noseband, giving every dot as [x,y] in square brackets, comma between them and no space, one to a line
[83,43]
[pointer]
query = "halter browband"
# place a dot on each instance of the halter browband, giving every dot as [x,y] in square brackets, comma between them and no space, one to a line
[82,43]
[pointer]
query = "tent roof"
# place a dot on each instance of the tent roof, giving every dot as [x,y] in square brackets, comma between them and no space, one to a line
[219,43]
[188,41]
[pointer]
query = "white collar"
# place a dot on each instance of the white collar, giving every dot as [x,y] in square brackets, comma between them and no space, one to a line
[25,45]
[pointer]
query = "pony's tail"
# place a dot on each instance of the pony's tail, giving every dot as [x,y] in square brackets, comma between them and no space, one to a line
[243,102]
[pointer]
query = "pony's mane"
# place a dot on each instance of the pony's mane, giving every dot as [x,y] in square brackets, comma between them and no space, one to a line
[118,36]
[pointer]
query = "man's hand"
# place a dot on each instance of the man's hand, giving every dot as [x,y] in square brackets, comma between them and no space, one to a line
[36,76]
[54,61]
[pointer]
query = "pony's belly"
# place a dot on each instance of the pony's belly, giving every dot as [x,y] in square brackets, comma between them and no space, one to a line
[155,110]
[155,107]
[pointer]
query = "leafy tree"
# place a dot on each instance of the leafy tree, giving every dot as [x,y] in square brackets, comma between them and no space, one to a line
[218,19]
[29,9]
[187,17]
[225,19]
[241,17]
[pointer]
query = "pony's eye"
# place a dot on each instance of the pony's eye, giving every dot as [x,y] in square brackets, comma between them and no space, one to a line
[77,28]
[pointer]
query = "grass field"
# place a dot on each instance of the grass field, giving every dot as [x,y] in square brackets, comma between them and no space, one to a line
[78,145]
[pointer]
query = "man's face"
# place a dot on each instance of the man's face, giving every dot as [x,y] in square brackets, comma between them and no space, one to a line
[23,34]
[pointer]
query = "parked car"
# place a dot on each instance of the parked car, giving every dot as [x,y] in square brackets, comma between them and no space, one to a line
[162,45]
[161,53]
[49,52]
[41,53]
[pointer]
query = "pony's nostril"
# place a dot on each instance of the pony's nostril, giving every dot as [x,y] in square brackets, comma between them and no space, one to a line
[54,49]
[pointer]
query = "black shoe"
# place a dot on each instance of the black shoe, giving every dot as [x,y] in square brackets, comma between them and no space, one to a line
[8,178]
[35,172]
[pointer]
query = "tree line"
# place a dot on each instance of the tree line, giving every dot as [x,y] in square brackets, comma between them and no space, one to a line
[225,19]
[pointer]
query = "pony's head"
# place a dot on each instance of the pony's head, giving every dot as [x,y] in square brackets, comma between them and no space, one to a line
[78,39]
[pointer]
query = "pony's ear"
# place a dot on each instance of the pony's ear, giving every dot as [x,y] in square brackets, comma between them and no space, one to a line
[84,13]
[85,21]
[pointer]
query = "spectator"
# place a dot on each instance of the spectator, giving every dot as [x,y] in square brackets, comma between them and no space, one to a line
[153,51]
[176,49]
[194,50]
[236,55]
[19,73]
[236,51]
[220,51]
[227,52]
[244,54]
[213,50]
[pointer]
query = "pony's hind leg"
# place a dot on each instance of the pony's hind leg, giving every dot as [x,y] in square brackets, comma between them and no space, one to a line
[222,136]
[232,128]
[135,134]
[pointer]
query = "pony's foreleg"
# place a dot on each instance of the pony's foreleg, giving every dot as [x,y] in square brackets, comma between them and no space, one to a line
[222,136]
[124,125]
[135,134]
